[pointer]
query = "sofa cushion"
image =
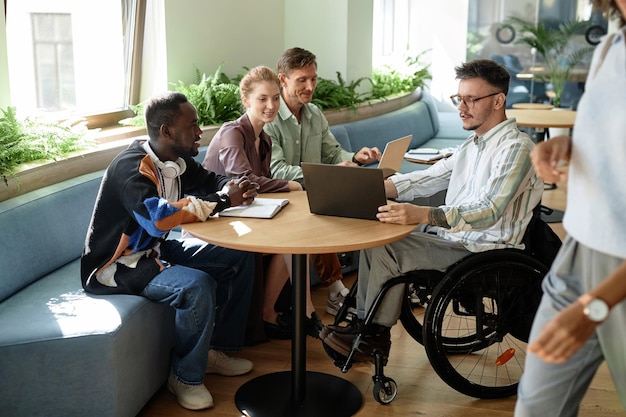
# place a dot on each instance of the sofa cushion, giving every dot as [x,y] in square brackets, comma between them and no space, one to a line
[341,134]
[44,229]
[451,126]
[413,119]
[64,352]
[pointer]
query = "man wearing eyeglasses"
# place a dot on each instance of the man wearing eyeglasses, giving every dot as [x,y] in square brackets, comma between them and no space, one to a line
[491,187]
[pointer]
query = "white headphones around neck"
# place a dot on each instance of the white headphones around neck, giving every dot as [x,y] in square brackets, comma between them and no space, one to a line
[169,169]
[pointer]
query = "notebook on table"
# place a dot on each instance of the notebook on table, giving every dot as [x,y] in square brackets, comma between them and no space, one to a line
[426,155]
[393,154]
[260,208]
[345,191]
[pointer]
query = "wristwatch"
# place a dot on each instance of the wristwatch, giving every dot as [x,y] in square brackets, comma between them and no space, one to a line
[595,309]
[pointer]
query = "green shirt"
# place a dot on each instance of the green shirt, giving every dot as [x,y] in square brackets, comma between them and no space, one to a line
[310,141]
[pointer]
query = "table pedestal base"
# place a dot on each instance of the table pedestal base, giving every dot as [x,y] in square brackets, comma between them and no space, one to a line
[326,395]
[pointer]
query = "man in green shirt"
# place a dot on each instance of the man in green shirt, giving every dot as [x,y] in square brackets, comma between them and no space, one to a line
[300,131]
[300,134]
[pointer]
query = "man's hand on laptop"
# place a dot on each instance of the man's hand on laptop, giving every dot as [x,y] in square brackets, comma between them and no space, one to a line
[348,164]
[407,213]
[403,213]
[367,155]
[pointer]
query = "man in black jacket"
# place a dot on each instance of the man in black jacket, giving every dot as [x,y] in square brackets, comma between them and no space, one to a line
[148,189]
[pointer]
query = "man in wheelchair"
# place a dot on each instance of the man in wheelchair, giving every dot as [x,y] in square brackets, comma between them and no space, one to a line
[491,187]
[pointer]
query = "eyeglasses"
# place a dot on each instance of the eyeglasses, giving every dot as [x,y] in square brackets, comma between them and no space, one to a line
[469,101]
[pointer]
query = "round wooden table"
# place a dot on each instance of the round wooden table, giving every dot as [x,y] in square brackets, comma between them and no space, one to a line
[294,230]
[533,106]
[543,119]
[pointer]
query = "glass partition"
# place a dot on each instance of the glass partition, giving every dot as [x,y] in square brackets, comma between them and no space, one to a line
[492,34]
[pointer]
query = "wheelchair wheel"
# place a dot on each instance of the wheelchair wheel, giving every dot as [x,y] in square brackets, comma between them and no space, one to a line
[478,321]
[385,391]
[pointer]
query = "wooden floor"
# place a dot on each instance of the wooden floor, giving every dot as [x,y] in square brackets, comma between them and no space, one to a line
[420,391]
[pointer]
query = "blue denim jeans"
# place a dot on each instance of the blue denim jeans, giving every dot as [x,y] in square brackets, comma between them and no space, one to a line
[209,287]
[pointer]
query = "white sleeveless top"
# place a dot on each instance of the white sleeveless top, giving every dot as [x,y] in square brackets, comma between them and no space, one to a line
[596,195]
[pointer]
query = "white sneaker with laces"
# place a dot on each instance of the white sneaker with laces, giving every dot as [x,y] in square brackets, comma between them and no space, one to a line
[223,364]
[333,305]
[192,397]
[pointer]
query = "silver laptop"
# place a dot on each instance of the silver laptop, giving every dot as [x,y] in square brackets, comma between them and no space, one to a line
[345,191]
[393,155]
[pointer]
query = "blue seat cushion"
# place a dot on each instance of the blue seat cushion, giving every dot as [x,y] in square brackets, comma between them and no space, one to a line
[81,354]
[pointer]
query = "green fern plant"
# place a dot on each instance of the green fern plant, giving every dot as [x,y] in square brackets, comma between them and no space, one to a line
[554,45]
[31,139]
[388,81]
[330,94]
[215,97]
[136,120]
[385,82]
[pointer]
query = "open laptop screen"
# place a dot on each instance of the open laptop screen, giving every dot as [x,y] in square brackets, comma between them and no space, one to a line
[393,155]
[345,191]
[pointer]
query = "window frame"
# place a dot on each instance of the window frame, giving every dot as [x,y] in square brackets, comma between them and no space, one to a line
[133,27]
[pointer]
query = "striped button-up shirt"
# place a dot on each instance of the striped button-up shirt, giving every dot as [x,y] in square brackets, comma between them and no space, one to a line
[492,189]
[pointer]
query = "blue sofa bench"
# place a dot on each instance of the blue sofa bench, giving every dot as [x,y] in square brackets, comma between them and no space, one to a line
[66,353]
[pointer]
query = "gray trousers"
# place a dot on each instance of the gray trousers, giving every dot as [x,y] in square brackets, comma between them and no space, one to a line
[555,390]
[419,250]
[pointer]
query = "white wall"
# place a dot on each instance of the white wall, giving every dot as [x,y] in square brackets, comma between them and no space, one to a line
[204,33]
[338,32]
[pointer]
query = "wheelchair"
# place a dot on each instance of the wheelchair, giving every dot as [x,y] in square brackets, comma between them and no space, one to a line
[473,319]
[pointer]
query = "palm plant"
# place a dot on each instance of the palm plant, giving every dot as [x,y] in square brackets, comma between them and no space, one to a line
[554,45]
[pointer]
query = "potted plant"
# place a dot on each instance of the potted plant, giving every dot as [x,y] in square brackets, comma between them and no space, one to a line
[555,44]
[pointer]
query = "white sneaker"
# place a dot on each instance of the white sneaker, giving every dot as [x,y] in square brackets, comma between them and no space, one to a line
[334,304]
[222,364]
[192,397]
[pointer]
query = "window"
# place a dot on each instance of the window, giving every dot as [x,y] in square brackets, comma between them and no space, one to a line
[53,61]
[433,30]
[392,37]
[454,32]
[74,58]
[492,38]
